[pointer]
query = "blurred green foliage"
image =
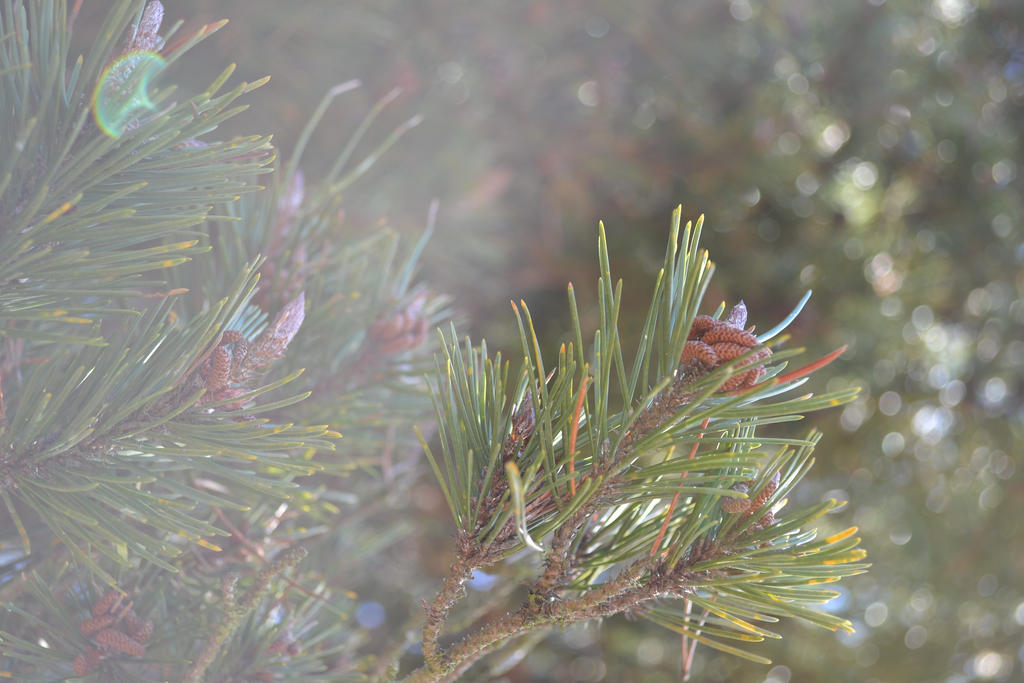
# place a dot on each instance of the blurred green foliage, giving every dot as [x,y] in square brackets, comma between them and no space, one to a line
[868,149]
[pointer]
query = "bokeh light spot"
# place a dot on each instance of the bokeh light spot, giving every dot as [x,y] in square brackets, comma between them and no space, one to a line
[889,403]
[587,668]
[893,444]
[798,84]
[788,143]
[650,651]
[370,614]
[952,12]
[876,614]
[995,391]
[922,317]
[988,585]
[587,93]
[915,637]
[778,674]
[952,393]
[946,150]
[1002,225]
[1018,614]
[741,10]
[833,137]
[865,175]
[806,183]
[979,302]
[1004,171]
[990,498]
[450,72]
[900,535]
[751,197]
[867,655]
[891,307]
[990,664]
[597,27]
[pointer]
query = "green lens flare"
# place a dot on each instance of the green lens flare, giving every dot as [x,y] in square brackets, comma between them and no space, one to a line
[121,93]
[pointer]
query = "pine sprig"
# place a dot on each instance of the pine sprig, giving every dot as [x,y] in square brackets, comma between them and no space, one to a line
[133,407]
[158,309]
[598,485]
[83,215]
[108,444]
[365,339]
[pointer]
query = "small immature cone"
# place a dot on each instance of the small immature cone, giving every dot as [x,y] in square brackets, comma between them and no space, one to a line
[749,506]
[734,335]
[239,355]
[524,419]
[88,662]
[94,624]
[144,632]
[219,369]
[231,337]
[727,351]
[131,619]
[137,628]
[700,351]
[120,641]
[701,324]
[523,423]
[766,520]
[107,603]
[744,379]
[766,492]
[736,505]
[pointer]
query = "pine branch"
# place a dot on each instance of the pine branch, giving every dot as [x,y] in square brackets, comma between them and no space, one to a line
[466,559]
[592,479]
[235,609]
[79,210]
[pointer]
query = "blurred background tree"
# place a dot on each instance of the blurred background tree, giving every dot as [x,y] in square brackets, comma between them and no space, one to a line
[869,150]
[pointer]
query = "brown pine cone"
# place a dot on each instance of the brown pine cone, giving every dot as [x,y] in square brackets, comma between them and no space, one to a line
[94,624]
[120,641]
[107,603]
[716,342]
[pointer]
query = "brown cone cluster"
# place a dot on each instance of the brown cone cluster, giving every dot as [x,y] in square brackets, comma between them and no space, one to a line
[103,627]
[716,342]
[234,363]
